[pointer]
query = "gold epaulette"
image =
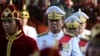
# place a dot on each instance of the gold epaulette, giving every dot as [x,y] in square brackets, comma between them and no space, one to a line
[42,34]
[85,39]
[69,34]
[89,36]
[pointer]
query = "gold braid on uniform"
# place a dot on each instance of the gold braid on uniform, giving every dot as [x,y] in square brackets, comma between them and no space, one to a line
[10,39]
[70,34]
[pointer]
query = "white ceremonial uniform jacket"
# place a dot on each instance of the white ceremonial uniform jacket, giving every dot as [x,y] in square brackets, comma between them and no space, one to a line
[84,35]
[30,31]
[70,48]
[49,39]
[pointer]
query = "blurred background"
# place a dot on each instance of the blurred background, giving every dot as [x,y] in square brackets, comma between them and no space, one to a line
[37,10]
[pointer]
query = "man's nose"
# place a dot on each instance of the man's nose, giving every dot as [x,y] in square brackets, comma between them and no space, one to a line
[7,23]
[72,30]
[54,22]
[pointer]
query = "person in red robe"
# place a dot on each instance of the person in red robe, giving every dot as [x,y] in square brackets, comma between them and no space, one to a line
[93,48]
[49,52]
[14,42]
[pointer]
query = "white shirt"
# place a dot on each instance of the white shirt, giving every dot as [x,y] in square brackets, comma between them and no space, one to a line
[30,31]
[84,35]
[49,39]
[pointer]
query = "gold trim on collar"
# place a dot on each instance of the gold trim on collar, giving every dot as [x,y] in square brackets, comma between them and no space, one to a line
[10,41]
[13,36]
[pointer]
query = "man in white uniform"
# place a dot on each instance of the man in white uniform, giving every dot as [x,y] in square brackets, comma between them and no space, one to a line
[55,24]
[28,30]
[68,43]
[55,36]
[83,17]
[83,36]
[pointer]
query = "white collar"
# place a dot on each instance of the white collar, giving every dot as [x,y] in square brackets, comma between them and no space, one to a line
[58,35]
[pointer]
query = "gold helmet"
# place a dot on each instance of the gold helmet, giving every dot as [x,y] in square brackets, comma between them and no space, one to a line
[24,13]
[10,12]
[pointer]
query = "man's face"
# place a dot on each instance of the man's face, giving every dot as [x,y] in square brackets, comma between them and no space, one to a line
[55,25]
[24,21]
[9,25]
[83,26]
[74,31]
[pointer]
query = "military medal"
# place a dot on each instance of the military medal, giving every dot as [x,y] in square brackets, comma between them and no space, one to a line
[65,46]
[82,49]
[44,43]
[65,50]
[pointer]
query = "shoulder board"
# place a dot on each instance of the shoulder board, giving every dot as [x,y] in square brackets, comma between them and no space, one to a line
[69,34]
[42,34]
[89,36]
[85,39]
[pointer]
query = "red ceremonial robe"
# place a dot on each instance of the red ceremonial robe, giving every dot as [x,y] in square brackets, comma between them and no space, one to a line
[22,46]
[49,52]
